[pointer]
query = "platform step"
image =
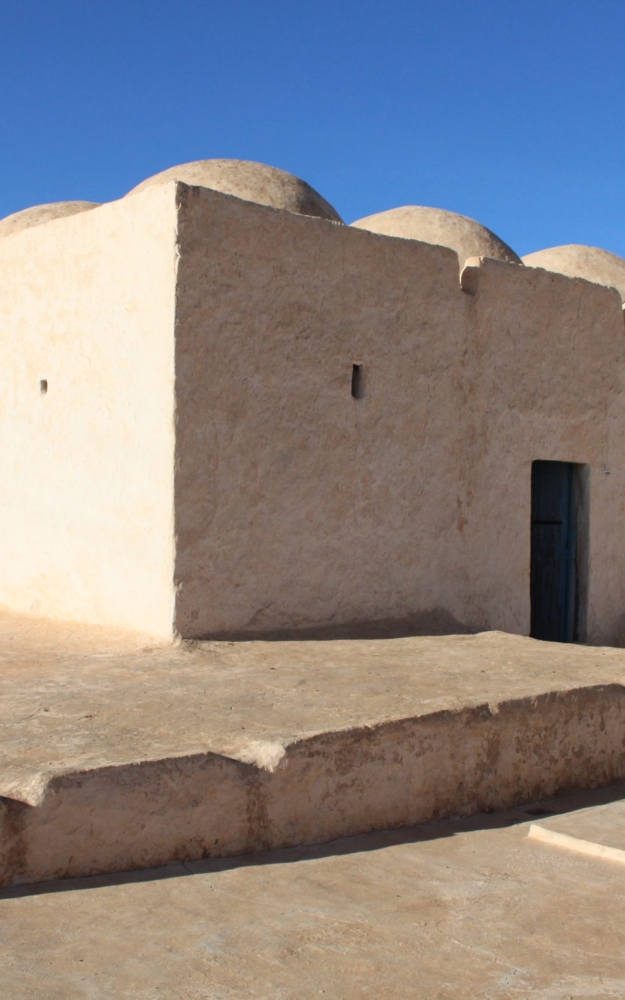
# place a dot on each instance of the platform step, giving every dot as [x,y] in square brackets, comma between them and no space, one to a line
[116,760]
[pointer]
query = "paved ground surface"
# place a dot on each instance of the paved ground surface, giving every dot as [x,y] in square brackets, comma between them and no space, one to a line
[76,697]
[448,911]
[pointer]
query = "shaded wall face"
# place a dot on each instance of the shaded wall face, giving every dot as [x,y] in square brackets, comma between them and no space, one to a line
[86,415]
[299,507]
[547,362]
[296,504]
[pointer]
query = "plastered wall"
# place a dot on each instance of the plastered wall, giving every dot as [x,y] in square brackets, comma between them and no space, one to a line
[198,461]
[86,504]
[298,506]
[546,364]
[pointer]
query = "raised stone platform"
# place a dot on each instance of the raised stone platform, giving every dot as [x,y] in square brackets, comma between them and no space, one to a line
[117,755]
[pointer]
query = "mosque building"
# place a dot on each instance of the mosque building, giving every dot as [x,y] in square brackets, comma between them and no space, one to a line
[227,414]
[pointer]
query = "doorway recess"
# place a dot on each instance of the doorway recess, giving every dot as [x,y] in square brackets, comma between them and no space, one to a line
[557,550]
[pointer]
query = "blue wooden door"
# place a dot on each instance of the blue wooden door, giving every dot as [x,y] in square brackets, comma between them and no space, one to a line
[552,578]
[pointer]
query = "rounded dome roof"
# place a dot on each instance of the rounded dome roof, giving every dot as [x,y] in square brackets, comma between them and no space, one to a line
[435,225]
[577,261]
[251,182]
[38,214]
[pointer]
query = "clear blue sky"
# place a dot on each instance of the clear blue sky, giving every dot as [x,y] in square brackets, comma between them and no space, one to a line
[511,113]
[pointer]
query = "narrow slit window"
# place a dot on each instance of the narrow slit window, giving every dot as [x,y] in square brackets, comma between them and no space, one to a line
[43,386]
[358,382]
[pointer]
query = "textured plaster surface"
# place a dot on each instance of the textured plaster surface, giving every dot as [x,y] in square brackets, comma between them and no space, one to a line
[87,414]
[542,391]
[577,261]
[454,910]
[118,756]
[435,225]
[298,506]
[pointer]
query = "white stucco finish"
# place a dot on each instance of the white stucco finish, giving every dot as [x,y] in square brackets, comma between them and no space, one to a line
[87,304]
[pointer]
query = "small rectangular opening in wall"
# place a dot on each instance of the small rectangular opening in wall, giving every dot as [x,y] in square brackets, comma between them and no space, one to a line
[43,386]
[559,551]
[358,381]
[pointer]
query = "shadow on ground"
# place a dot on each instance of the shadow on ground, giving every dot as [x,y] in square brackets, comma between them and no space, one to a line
[424,623]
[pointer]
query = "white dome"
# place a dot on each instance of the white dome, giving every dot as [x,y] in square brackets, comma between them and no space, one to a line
[435,225]
[251,182]
[578,261]
[38,214]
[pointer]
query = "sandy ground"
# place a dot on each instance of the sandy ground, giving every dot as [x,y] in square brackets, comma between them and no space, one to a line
[451,910]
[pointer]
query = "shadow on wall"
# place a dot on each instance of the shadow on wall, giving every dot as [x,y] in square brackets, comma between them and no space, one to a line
[619,633]
[434,622]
